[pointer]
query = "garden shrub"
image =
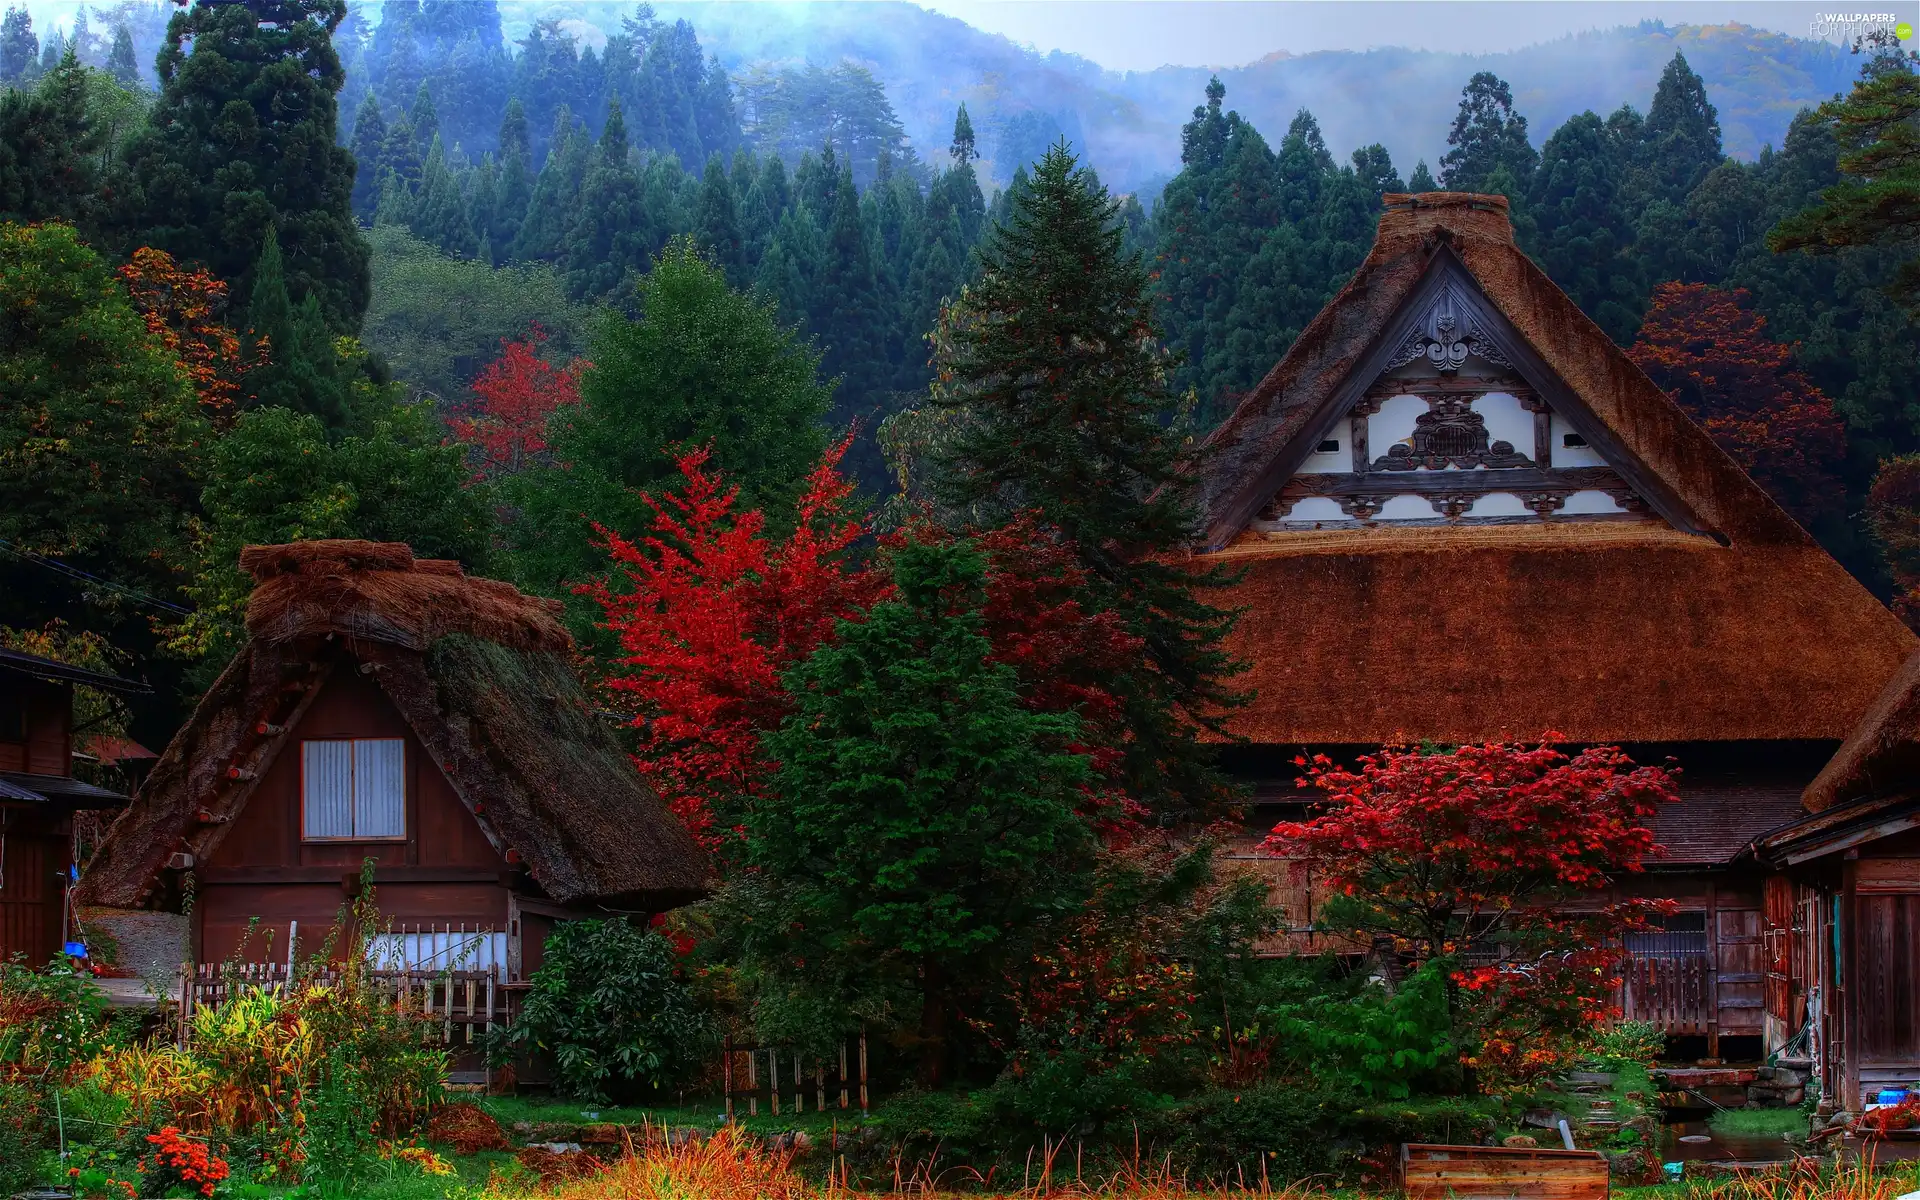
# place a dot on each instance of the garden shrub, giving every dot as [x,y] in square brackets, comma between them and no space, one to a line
[1630,1042]
[610,1004]
[1379,1042]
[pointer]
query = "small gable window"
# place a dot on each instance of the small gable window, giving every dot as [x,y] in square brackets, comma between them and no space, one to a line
[1330,446]
[353,789]
[1573,441]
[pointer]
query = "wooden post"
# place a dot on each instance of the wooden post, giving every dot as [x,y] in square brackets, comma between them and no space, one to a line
[773,1078]
[843,1073]
[799,1094]
[726,1073]
[819,1087]
[1713,971]
[1847,971]
[753,1083]
[863,1069]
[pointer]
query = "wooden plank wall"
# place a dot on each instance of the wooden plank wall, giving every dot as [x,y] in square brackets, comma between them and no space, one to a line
[1443,1172]
[30,893]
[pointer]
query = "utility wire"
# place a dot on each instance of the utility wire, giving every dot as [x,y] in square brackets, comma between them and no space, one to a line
[60,568]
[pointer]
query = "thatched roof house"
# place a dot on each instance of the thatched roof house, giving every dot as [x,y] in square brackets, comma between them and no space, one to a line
[396,709]
[1461,513]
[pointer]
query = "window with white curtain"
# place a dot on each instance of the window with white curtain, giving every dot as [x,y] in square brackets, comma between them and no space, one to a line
[353,789]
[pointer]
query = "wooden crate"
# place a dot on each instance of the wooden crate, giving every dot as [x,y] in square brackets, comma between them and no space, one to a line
[1500,1172]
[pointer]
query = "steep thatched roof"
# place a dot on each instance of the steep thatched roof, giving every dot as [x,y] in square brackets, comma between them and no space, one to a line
[1881,757]
[479,672]
[1729,624]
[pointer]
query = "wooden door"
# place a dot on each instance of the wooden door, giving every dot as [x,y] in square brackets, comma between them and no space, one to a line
[30,895]
[1783,1019]
[1887,976]
[1740,975]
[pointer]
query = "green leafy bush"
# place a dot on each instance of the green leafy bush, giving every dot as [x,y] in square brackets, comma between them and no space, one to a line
[610,1005]
[1629,1042]
[1377,1042]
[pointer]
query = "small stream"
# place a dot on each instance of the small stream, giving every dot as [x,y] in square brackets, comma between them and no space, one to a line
[1677,1144]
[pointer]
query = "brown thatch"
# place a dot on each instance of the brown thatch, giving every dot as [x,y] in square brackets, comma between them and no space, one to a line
[490,696]
[1881,757]
[1599,631]
[377,591]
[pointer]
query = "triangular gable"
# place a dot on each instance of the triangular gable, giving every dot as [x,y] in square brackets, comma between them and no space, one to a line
[1445,278]
[1453,420]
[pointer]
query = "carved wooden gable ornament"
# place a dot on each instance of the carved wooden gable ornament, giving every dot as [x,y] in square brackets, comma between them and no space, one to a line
[1450,419]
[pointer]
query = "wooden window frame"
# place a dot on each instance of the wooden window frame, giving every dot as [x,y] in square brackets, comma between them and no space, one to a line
[356,837]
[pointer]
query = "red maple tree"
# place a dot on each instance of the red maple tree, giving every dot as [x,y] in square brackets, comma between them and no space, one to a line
[708,611]
[506,424]
[1500,857]
[1893,510]
[183,309]
[1709,350]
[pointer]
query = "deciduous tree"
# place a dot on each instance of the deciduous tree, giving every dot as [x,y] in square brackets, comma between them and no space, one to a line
[506,424]
[1710,351]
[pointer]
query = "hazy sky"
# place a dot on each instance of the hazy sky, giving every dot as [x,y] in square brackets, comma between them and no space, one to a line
[1138,35]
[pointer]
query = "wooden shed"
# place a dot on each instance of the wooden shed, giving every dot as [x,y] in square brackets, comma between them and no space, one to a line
[1843,914]
[395,710]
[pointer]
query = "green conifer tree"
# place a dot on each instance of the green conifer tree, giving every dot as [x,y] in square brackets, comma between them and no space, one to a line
[963,149]
[923,836]
[242,143]
[609,235]
[1583,236]
[302,372]
[1052,360]
[1486,134]
[1681,136]
[440,212]
[1423,180]
[719,223]
[424,118]
[49,150]
[515,187]
[121,62]
[19,48]
[369,156]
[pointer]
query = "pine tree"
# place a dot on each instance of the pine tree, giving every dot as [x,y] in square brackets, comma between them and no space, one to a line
[19,48]
[719,223]
[424,118]
[1486,134]
[923,831]
[515,188]
[963,150]
[1052,360]
[1877,201]
[440,212]
[850,317]
[1374,166]
[121,62]
[1681,137]
[609,237]
[214,186]
[301,372]
[369,157]
[400,155]
[48,150]
[1583,235]
[1423,180]
[556,192]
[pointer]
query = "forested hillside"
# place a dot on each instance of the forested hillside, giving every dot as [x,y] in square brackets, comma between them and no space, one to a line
[482,281]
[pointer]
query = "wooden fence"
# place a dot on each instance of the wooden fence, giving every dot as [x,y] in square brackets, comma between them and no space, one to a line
[776,1074]
[454,975]
[1670,991]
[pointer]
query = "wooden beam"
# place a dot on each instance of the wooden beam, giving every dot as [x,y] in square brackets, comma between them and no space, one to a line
[1454,483]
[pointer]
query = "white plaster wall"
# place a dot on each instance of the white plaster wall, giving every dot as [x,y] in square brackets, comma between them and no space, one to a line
[1507,420]
[1393,423]
[1571,456]
[1588,503]
[1332,462]
[1499,504]
[1406,508]
[1316,508]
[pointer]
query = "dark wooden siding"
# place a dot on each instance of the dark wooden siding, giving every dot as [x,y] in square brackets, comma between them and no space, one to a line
[445,871]
[1888,977]
[30,908]
[48,710]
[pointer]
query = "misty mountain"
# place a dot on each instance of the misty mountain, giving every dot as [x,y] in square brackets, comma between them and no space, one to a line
[1129,123]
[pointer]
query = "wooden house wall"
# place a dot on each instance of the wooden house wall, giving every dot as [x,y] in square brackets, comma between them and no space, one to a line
[35,848]
[1881,966]
[263,875]
[48,709]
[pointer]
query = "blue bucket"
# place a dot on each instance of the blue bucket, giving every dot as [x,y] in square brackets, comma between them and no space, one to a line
[1891,1095]
[76,950]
